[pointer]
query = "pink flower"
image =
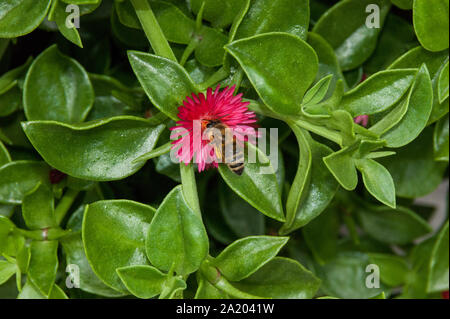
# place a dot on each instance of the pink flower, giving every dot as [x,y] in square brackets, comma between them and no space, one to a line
[197,112]
[362,120]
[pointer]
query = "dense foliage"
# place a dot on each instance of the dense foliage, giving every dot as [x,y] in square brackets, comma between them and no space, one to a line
[88,188]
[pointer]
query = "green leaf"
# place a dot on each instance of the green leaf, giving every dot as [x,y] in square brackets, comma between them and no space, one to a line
[316,94]
[181,29]
[19,17]
[413,168]
[30,291]
[393,226]
[342,165]
[43,265]
[435,62]
[177,237]
[166,83]
[4,155]
[420,103]
[378,181]
[328,63]
[219,13]
[245,256]
[75,255]
[291,16]
[207,291]
[7,270]
[114,233]
[443,90]
[6,227]
[142,281]
[345,276]
[18,178]
[431,23]
[438,266]
[313,186]
[60,17]
[281,278]
[393,269]
[344,27]
[257,185]
[321,235]
[96,148]
[38,208]
[275,74]
[72,94]
[440,140]
[112,98]
[379,92]
[243,219]
[396,38]
[11,100]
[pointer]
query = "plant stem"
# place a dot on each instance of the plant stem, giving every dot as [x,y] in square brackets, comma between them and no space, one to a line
[190,187]
[225,286]
[152,29]
[189,49]
[216,77]
[64,204]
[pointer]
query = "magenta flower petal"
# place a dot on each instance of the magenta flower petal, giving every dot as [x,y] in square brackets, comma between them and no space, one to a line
[221,105]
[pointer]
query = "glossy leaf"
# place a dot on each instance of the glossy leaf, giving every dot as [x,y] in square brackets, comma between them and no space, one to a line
[75,255]
[393,226]
[413,168]
[19,17]
[291,16]
[96,151]
[431,23]
[441,140]
[328,63]
[378,181]
[321,235]
[438,266]
[142,281]
[18,178]
[345,276]
[60,17]
[114,235]
[38,208]
[393,269]
[4,155]
[7,270]
[378,92]
[342,165]
[443,90]
[43,265]
[166,83]
[177,237]
[276,74]
[245,256]
[313,186]
[206,290]
[435,62]
[257,185]
[281,278]
[344,27]
[420,103]
[71,95]
[219,13]
[243,219]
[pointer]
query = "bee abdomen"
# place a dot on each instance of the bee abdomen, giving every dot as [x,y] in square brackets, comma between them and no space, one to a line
[237,168]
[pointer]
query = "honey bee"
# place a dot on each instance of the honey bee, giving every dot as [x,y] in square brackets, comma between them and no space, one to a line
[234,156]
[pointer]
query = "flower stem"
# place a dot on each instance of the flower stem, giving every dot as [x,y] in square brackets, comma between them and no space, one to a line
[190,187]
[189,49]
[152,29]
[64,204]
